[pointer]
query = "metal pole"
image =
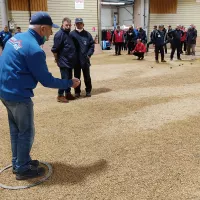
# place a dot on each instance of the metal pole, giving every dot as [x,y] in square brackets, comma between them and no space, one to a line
[29,8]
[99,20]
[4,13]
[148,17]
[142,14]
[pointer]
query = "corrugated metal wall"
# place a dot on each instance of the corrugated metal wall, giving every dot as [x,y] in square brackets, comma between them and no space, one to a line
[164,6]
[18,11]
[188,12]
[58,9]
[0,20]
[21,18]
[23,5]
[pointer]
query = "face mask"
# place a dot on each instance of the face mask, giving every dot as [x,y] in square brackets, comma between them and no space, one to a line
[79,30]
[44,39]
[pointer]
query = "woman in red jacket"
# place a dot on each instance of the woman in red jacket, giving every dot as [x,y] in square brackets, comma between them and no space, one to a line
[139,50]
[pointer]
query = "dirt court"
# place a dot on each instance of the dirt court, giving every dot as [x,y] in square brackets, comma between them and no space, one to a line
[136,138]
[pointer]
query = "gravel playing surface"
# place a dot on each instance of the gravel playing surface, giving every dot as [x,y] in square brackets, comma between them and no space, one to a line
[136,138]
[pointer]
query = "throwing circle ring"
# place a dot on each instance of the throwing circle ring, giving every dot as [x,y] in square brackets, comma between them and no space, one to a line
[31,185]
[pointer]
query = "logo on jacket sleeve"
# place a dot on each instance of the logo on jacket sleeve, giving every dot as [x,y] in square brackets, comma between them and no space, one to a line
[17,44]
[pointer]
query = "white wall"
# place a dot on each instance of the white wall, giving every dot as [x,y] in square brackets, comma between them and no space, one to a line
[107,14]
[126,15]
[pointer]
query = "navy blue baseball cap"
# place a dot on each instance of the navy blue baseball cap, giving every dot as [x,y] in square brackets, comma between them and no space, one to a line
[78,20]
[42,18]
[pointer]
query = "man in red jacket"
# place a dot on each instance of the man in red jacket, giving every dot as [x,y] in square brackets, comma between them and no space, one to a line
[118,40]
[139,50]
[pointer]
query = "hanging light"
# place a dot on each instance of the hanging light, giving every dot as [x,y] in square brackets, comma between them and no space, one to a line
[112,3]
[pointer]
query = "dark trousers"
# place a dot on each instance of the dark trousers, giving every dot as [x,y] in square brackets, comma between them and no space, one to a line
[125,46]
[183,46]
[161,50]
[130,47]
[176,47]
[139,54]
[148,44]
[165,46]
[66,73]
[189,46]
[118,47]
[87,78]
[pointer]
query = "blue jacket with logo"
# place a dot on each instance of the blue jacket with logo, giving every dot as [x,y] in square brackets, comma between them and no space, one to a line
[84,44]
[158,38]
[23,65]
[4,37]
[65,49]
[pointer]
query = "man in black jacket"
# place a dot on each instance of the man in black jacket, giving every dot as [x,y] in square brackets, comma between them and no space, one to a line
[191,39]
[151,37]
[65,56]
[165,33]
[158,40]
[84,44]
[175,36]
[130,39]
[142,35]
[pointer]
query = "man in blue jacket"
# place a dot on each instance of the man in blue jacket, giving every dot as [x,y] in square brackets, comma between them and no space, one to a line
[22,66]
[158,40]
[65,56]
[84,44]
[5,35]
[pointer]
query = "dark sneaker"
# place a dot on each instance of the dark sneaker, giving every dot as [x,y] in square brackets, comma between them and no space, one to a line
[157,61]
[69,96]
[62,99]
[88,94]
[34,163]
[179,59]
[77,95]
[163,61]
[33,172]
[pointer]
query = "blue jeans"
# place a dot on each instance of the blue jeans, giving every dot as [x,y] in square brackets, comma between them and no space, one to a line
[66,73]
[22,131]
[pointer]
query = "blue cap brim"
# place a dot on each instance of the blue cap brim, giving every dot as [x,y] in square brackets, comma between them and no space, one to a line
[55,26]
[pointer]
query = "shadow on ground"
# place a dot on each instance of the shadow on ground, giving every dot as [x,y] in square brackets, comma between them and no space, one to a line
[96,91]
[68,174]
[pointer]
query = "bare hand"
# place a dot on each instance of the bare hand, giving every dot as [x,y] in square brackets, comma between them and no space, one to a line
[76,82]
